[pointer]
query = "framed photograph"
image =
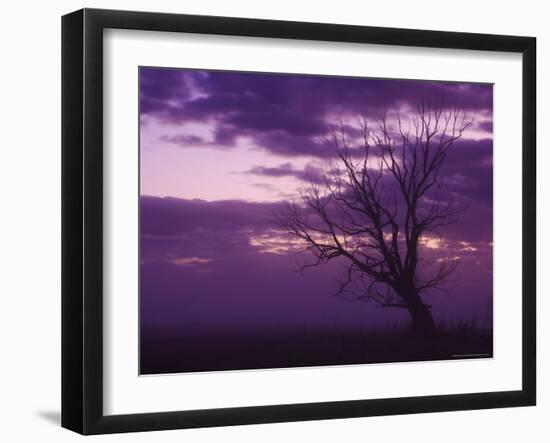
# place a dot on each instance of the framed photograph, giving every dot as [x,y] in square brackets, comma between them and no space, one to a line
[269,221]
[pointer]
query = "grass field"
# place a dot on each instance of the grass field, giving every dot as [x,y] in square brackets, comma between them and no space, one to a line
[200,349]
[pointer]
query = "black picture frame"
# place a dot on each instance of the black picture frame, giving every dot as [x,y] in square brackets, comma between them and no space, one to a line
[82,217]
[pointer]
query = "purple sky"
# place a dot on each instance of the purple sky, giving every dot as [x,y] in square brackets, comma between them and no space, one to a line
[219,153]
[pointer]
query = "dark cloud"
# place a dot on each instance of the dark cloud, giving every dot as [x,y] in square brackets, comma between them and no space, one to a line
[185,140]
[269,121]
[486,126]
[466,173]
[157,87]
[287,114]
[468,170]
[310,174]
[284,170]
[231,223]
[290,145]
[173,216]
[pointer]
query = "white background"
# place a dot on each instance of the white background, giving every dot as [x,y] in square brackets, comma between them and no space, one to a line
[30,222]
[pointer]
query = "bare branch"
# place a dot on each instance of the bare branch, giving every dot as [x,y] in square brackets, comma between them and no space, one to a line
[373,210]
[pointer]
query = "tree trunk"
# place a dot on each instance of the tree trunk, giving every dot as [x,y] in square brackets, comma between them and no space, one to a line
[421,316]
[422,320]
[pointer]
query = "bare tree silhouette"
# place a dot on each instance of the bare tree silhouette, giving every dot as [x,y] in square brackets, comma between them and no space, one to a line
[377,205]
